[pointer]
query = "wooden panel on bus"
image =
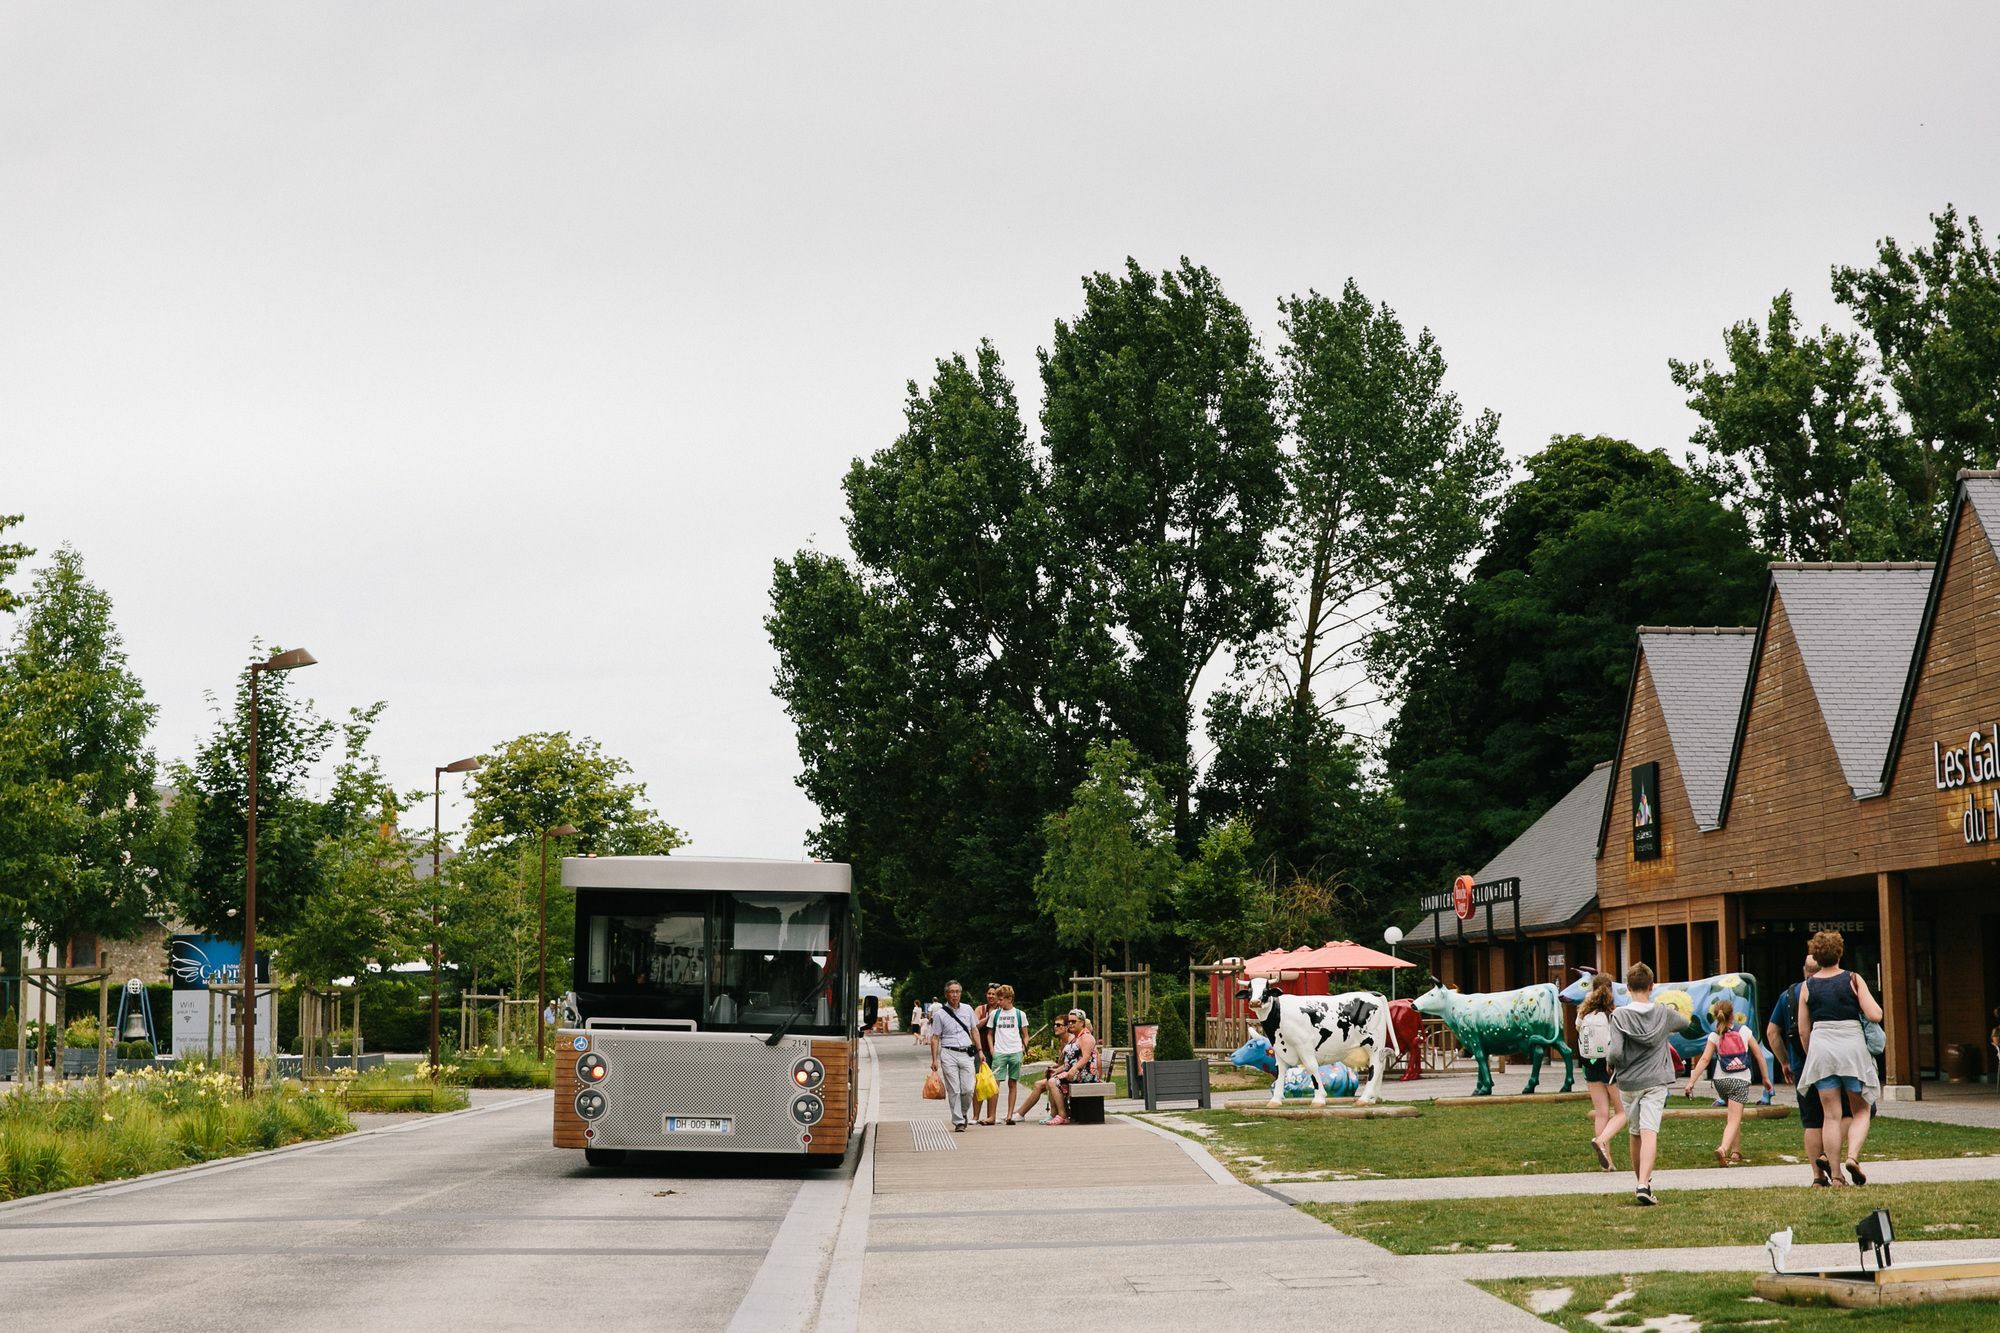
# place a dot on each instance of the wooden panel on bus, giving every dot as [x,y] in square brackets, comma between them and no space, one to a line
[830,1135]
[569,1125]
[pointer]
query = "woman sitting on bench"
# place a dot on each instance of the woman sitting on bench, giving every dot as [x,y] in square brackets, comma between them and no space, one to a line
[1077,1064]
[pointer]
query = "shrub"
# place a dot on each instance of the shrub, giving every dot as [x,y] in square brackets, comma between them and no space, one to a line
[135,1050]
[81,1034]
[33,1160]
[10,1030]
[1173,1042]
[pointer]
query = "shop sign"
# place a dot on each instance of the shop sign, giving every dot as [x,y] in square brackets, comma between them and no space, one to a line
[1557,958]
[1646,812]
[1464,898]
[1975,763]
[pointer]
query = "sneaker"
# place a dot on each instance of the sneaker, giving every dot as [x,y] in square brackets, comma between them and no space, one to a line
[1644,1194]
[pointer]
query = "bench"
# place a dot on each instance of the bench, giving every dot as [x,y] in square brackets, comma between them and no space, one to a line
[1086,1100]
[1176,1080]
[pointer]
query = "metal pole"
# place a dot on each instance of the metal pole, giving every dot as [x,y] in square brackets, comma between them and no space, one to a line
[542,958]
[250,909]
[437,956]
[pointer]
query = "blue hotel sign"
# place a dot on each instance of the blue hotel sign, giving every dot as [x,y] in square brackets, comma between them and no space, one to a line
[197,962]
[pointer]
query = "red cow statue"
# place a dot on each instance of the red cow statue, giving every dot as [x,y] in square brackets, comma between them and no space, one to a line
[1408,1025]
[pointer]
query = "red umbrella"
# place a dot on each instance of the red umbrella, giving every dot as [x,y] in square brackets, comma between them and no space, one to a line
[1333,956]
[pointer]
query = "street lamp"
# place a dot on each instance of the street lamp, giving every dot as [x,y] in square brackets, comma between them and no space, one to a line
[285,661]
[437,885]
[542,965]
[1392,937]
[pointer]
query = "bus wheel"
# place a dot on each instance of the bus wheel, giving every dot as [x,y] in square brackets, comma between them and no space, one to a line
[604,1156]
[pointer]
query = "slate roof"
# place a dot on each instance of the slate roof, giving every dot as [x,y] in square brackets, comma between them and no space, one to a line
[1698,675]
[1555,860]
[1982,492]
[1856,627]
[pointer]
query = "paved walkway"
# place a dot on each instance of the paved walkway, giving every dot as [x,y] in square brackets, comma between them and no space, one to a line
[1135,1227]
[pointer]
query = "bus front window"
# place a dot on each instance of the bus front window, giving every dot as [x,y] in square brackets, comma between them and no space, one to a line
[773,952]
[656,957]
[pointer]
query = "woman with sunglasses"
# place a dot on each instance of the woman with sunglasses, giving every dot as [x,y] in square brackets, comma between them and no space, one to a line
[1049,1084]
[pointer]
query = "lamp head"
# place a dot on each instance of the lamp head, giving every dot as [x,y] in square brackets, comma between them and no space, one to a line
[1393,936]
[286,661]
[460,766]
[563,831]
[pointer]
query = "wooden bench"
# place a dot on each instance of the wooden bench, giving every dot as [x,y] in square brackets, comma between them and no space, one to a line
[1176,1080]
[1086,1100]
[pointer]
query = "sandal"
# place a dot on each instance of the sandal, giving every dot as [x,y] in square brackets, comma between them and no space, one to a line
[1853,1169]
[1603,1155]
[1823,1171]
[1721,1158]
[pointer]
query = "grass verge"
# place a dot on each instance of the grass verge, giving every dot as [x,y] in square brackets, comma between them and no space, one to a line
[1527,1139]
[1713,1300]
[391,1090]
[1928,1210]
[154,1121]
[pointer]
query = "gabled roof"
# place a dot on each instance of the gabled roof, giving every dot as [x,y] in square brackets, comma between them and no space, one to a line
[1980,491]
[1698,676]
[1555,860]
[1856,627]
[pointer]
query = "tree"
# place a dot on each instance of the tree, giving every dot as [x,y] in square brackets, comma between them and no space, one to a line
[1390,492]
[1793,430]
[78,810]
[1524,690]
[1110,860]
[1165,475]
[1213,898]
[291,740]
[1934,315]
[11,556]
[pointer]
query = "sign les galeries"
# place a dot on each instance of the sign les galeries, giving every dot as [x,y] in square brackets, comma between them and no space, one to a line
[1975,763]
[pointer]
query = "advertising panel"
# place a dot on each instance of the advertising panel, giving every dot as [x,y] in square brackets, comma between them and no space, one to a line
[205,971]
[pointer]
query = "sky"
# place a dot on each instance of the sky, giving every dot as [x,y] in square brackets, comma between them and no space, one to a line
[493,352]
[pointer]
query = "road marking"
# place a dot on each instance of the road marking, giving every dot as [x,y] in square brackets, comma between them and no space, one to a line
[784,1296]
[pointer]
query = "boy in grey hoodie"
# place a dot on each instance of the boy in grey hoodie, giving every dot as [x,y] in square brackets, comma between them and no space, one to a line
[1644,1068]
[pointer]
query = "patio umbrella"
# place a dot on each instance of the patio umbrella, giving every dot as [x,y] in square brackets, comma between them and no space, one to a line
[1333,956]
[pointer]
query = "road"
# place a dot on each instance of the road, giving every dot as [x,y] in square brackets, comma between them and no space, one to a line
[466,1221]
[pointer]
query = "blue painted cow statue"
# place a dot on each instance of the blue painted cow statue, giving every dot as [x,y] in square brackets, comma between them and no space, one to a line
[1691,999]
[1338,1079]
[1526,1022]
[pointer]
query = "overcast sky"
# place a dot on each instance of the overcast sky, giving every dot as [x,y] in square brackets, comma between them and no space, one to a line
[493,352]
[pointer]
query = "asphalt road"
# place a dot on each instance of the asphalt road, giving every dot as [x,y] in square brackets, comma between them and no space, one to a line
[467,1221]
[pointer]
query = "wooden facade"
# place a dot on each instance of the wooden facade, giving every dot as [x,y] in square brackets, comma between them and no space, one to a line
[1908,873]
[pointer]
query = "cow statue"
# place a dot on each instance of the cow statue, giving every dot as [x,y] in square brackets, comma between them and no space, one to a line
[1510,1022]
[1306,1031]
[1692,999]
[1256,1054]
[1408,1025]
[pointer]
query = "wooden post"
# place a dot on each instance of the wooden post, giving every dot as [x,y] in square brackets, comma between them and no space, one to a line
[354,1046]
[103,1021]
[1899,1012]
[1729,939]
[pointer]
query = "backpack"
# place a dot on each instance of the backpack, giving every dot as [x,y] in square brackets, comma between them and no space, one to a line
[1593,1036]
[1732,1054]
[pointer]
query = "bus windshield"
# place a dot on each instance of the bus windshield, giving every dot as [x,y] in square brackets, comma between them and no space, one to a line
[744,962]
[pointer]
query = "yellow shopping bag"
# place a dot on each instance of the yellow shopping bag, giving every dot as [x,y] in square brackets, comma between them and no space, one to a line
[984,1089]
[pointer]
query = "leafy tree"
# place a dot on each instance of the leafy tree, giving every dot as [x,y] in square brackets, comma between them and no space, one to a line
[1934,315]
[1165,476]
[1524,691]
[1390,492]
[1215,892]
[944,685]
[1793,429]
[1110,861]
[11,556]
[214,789]
[547,778]
[77,806]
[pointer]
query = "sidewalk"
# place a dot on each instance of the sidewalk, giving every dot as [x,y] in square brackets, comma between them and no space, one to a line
[1132,1227]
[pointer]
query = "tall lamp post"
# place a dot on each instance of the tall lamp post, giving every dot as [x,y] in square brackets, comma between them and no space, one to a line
[1392,937]
[285,661]
[542,962]
[437,887]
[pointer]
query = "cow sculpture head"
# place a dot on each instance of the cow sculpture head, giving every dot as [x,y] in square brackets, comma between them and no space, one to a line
[1260,993]
[1435,1002]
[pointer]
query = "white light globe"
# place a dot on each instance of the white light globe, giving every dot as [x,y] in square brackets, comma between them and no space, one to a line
[1393,936]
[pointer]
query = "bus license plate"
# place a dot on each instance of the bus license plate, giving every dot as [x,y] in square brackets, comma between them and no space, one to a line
[682,1124]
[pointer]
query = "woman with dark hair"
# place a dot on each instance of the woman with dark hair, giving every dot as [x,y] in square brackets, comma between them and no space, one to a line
[1832,1003]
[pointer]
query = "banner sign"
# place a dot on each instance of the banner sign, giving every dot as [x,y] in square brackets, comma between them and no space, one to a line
[1464,898]
[207,974]
[1145,1036]
[1646,812]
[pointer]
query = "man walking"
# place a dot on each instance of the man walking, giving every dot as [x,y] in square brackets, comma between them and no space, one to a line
[953,1054]
[1644,1070]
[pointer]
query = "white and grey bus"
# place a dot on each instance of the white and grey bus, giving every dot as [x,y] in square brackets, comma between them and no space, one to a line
[713,1008]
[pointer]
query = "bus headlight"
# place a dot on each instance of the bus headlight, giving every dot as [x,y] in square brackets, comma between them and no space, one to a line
[808,1073]
[590,1103]
[591,1069]
[807,1108]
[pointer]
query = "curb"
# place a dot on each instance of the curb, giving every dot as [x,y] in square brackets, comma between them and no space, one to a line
[132,1184]
[1201,1157]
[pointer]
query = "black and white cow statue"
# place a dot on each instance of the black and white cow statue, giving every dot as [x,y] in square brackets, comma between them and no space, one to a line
[1307,1031]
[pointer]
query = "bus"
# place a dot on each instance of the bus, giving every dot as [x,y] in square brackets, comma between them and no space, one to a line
[713,1009]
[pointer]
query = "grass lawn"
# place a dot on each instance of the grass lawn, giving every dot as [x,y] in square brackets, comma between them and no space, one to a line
[1524,1138]
[1940,1210]
[1717,1300]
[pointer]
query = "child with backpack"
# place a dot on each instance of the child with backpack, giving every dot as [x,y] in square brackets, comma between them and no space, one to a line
[1643,1064]
[1593,1049]
[1733,1055]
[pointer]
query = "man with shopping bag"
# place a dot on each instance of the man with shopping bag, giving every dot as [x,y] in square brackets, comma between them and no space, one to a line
[953,1052]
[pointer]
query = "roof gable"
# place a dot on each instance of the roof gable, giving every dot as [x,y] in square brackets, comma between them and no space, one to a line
[1698,677]
[1856,627]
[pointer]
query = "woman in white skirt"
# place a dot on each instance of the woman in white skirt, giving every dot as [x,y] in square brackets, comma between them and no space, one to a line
[1832,1004]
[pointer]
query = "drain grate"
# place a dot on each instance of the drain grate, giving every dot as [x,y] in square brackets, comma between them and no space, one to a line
[932,1136]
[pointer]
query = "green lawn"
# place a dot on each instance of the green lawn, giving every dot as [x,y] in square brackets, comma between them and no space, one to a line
[1720,1301]
[1955,1210]
[1523,1138]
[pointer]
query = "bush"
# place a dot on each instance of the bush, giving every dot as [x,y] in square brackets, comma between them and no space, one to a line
[1173,1042]
[81,1034]
[10,1030]
[135,1050]
[511,1069]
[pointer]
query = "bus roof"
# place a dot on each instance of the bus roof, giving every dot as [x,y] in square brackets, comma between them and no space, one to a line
[738,874]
